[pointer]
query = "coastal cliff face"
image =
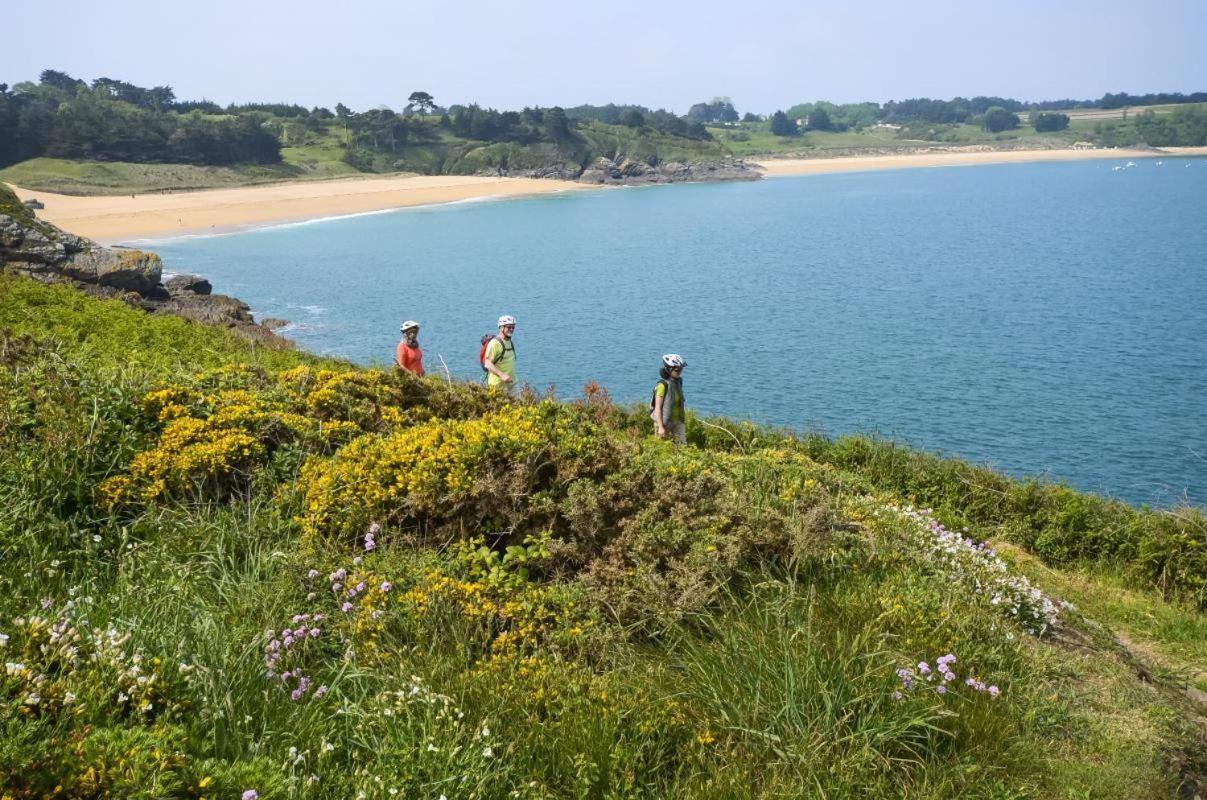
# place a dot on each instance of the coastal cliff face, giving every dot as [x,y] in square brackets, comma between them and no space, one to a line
[39,250]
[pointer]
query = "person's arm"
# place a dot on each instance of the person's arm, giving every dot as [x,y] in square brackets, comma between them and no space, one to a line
[399,356]
[659,428]
[489,363]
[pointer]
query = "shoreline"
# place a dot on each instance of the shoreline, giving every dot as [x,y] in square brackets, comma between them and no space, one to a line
[120,219]
[779,167]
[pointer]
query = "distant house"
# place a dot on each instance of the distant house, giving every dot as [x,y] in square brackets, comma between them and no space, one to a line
[1083,145]
[887,126]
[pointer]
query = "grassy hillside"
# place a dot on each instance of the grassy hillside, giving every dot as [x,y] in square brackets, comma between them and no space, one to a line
[1105,127]
[231,572]
[320,155]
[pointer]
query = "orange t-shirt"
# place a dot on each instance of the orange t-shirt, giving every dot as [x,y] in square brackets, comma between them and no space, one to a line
[409,358]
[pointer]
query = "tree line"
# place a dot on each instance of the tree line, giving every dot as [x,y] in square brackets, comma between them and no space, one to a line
[111,120]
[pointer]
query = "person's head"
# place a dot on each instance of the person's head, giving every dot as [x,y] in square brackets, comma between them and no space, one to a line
[672,366]
[410,330]
[506,326]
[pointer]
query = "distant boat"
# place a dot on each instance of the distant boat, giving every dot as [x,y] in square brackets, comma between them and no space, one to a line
[1159,163]
[1116,169]
[1130,164]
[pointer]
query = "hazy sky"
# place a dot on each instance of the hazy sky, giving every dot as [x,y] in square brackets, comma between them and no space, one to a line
[765,55]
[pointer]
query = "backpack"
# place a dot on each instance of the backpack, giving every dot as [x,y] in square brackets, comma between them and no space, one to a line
[487,338]
[654,393]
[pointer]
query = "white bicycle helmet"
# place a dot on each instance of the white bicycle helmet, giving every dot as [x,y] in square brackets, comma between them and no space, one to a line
[406,326]
[506,319]
[672,360]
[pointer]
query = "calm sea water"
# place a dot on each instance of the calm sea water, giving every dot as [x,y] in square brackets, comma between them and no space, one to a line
[1041,318]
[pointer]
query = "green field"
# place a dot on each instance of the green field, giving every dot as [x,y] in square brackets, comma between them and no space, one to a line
[553,604]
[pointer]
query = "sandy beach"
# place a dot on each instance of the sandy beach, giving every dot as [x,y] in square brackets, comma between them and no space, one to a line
[115,219]
[806,166]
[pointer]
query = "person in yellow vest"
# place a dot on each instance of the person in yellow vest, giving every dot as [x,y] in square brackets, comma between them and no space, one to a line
[666,405]
[499,359]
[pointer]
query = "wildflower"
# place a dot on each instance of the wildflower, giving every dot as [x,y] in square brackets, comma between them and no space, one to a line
[387,586]
[314,632]
[949,676]
[923,668]
[96,537]
[487,752]
[994,691]
[346,607]
[312,574]
[46,603]
[358,561]
[3,639]
[941,689]
[431,748]
[319,692]
[251,794]
[897,695]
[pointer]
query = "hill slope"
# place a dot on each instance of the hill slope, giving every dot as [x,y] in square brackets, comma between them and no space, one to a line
[232,570]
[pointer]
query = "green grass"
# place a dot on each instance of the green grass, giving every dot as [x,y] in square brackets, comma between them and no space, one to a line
[595,614]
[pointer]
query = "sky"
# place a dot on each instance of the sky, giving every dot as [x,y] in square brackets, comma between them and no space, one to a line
[659,53]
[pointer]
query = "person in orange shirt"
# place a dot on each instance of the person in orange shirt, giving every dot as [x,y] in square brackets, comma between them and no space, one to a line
[409,356]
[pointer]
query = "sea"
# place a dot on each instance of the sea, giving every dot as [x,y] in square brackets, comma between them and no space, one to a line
[1045,319]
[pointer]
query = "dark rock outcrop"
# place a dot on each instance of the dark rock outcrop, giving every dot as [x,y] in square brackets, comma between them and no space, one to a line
[185,283]
[635,173]
[630,172]
[39,250]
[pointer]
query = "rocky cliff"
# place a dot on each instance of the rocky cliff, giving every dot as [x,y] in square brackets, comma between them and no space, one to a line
[39,250]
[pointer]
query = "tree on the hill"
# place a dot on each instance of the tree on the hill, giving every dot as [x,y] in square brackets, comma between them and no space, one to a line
[60,80]
[632,118]
[748,117]
[781,125]
[998,119]
[819,120]
[557,124]
[1048,122]
[422,101]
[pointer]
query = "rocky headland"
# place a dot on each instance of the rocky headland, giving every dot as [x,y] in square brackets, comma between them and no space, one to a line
[39,250]
[635,172]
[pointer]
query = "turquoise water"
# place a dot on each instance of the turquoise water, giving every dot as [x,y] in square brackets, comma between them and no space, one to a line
[1041,318]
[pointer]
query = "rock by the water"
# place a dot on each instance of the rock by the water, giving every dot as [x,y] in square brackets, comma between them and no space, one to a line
[634,172]
[39,250]
[274,323]
[185,283]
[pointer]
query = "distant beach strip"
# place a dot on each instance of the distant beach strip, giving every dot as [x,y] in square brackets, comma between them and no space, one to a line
[115,219]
